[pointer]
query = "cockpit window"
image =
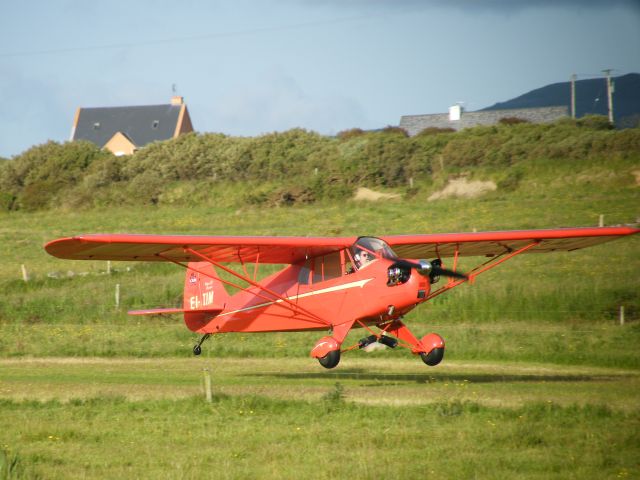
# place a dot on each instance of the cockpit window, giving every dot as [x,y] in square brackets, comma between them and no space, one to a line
[369,249]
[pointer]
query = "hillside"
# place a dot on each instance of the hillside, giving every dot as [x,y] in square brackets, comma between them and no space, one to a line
[295,167]
[591,98]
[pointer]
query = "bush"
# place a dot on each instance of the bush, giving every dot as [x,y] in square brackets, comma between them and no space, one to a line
[7,201]
[512,121]
[395,130]
[351,133]
[38,176]
[146,188]
[300,166]
[434,131]
[594,122]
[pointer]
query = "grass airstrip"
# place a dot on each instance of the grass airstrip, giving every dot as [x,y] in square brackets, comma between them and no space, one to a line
[285,418]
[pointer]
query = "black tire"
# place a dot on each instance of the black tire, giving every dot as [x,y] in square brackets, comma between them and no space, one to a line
[331,359]
[197,350]
[434,357]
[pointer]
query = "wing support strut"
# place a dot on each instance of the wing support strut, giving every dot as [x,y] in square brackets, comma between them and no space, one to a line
[488,265]
[286,303]
[269,300]
[238,287]
[205,274]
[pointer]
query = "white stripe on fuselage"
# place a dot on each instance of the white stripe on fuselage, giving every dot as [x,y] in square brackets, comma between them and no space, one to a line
[337,288]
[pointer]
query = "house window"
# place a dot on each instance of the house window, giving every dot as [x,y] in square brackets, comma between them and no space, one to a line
[96,125]
[155,124]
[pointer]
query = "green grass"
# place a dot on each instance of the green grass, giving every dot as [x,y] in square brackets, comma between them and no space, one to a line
[539,379]
[98,418]
[598,345]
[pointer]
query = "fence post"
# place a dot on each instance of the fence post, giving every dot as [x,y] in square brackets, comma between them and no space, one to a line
[207,384]
[117,296]
[621,315]
[25,275]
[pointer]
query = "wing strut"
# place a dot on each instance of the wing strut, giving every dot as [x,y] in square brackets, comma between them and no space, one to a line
[234,285]
[292,306]
[493,262]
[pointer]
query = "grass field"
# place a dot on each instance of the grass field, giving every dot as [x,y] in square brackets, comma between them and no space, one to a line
[540,380]
[274,418]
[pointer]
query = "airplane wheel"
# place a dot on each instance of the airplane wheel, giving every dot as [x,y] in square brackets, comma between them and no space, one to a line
[434,357]
[331,359]
[197,350]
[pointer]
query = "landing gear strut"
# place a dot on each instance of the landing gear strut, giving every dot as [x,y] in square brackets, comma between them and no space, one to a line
[197,349]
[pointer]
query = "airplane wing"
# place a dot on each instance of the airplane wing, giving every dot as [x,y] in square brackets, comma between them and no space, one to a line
[490,244]
[225,249]
[288,250]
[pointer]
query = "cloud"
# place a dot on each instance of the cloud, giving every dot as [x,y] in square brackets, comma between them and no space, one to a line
[278,103]
[489,6]
[31,113]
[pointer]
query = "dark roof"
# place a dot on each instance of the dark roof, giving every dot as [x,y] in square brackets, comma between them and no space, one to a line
[142,125]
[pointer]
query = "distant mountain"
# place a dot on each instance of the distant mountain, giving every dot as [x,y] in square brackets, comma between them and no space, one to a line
[591,98]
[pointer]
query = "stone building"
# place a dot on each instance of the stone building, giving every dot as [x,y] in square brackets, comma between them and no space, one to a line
[458,119]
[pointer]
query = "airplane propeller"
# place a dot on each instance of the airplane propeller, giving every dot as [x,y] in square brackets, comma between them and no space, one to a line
[429,269]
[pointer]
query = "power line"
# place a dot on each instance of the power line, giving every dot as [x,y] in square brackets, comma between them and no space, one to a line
[190,38]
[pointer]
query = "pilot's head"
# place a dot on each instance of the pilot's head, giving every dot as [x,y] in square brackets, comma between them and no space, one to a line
[362,258]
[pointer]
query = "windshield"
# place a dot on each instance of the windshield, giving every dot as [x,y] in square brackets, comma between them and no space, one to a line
[368,249]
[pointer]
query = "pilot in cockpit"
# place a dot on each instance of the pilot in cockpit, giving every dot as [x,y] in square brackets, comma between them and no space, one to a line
[363,258]
[369,249]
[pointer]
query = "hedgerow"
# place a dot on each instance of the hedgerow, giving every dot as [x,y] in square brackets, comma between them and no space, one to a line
[298,165]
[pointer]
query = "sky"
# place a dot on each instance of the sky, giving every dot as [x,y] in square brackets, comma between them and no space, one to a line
[250,67]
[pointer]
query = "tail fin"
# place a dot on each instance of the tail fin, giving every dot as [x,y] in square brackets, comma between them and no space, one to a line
[204,295]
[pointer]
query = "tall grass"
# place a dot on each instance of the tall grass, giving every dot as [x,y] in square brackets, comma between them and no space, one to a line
[240,437]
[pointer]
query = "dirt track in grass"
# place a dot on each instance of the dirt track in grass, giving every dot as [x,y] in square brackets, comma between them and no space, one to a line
[367,381]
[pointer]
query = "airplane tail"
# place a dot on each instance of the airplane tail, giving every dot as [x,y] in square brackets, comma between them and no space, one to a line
[204,295]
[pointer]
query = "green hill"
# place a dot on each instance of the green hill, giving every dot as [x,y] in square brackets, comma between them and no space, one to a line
[591,98]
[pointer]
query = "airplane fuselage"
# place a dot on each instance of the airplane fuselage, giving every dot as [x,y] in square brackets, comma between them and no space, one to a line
[363,295]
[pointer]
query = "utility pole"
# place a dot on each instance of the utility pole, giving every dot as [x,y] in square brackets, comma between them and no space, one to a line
[609,94]
[573,96]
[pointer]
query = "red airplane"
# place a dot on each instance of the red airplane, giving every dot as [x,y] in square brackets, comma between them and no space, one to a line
[329,284]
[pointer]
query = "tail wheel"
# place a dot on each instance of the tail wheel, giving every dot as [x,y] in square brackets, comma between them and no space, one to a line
[331,359]
[434,357]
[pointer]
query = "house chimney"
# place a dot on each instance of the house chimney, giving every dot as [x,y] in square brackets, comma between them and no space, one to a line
[177,100]
[455,113]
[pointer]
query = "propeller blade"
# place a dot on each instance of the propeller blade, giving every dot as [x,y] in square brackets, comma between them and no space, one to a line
[439,271]
[426,268]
